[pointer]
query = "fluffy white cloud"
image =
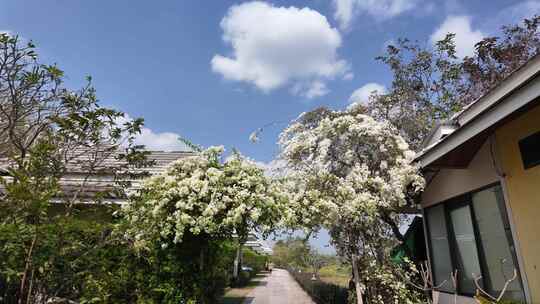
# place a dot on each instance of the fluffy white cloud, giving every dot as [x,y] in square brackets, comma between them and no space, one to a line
[166,141]
[346,10]
[275,168]
[310,90]
[465,38]
[155,141]
[277,46]
[361,95]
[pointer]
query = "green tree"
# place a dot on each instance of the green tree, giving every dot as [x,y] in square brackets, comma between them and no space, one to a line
[202,200]
[292,252]
[430,84]
[48,131]
[353,176]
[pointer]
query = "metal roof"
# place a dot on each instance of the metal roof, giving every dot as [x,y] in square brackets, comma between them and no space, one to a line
[88,186]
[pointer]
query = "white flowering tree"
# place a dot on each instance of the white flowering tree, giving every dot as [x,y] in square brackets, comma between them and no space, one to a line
[202,197]
[351,175]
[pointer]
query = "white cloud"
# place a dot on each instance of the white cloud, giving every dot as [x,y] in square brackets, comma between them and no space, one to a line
[310,90]
[516,13]
[166,141]
[465,38]
[277,46]
[346,10]
[526,9]
[348,76]
[275,168]
[361,95]
[155,141]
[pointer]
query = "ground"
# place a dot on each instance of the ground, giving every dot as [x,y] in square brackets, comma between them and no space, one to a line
[277,287]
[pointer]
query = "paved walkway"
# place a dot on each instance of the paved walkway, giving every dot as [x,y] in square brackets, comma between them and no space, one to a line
[279,287]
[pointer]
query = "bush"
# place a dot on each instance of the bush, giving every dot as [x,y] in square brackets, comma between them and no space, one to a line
[88,262]
[320,292]
[243,278]
[253,260]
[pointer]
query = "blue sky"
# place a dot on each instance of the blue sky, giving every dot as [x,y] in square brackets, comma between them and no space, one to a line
[214,71]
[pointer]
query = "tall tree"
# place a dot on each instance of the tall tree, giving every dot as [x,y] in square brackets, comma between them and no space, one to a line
[430,84]
[352,175]
[48,131]
[497,57]
[203,199]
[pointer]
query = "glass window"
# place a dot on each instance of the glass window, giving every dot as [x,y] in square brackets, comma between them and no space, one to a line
[496,242]
[440,250]
[472,234]
[468,263]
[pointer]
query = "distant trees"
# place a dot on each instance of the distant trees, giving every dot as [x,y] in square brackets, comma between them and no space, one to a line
[291,252]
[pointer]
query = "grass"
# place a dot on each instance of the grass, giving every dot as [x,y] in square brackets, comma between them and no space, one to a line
[239,295]
[335,274]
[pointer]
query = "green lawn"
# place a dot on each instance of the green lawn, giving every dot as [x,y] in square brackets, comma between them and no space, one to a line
[335,274]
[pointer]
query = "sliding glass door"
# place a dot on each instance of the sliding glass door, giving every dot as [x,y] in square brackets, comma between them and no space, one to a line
[495,239]
[466,258]
[471,234]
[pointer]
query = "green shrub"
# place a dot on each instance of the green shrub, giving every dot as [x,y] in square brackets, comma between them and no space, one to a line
[243,278]
[254,260]
[88,262]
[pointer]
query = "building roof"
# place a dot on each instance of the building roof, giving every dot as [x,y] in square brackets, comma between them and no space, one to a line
[472,126]
[88,187]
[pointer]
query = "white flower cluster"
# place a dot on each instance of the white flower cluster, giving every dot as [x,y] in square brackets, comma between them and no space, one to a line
[349,167]
[201,195]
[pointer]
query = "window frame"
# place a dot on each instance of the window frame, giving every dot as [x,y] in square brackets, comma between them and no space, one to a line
[458,201]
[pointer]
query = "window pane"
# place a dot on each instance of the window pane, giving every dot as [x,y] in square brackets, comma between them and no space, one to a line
[466,251]
[440,250]
[494,238]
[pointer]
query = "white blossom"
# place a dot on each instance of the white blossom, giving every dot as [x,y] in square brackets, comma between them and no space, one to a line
[201,195]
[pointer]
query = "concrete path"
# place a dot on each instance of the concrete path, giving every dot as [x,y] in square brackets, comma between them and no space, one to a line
[279,287]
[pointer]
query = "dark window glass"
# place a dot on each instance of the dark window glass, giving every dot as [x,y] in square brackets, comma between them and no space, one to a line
[530,150]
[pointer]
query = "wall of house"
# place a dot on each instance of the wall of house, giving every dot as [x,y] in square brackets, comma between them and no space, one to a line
[523,192]
[449,183]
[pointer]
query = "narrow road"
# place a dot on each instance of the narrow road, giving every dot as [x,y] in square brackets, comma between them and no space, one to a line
[279,287]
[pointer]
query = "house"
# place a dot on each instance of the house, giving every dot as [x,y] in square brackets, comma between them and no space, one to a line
[85,187]
[481,204]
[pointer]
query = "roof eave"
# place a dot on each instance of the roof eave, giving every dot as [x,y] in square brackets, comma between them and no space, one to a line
[522,88]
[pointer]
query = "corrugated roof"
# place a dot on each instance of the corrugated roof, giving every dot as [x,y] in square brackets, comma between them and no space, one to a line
[77,181]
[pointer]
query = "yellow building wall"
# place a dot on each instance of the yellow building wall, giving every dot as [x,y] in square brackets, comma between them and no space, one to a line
[523,191]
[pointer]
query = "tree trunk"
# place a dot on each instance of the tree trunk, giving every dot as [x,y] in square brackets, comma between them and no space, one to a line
[357,283]
[237,261]
[27,266]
